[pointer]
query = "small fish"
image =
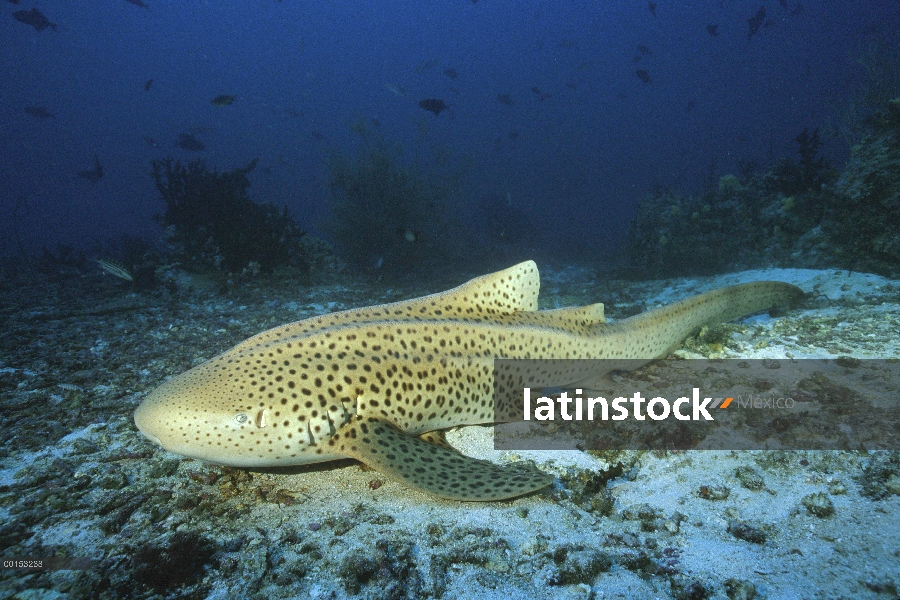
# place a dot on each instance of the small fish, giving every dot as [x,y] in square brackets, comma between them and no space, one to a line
[651,6]
[713,30]
[643,75]
[540,95]
[756,21]
[797,9]
[690,106]
[644,50]
[189,142]
[409,234]
[783,4]
[395,89]
[147,85]
[35,18]
[93,175]
[151,142]
[14,1]
[434,105]
[114,268]
[138,3]
[222,100]
[451,73]
[505,99]
[40,112]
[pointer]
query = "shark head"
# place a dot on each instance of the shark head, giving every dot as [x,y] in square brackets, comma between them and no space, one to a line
[188,416]
[232,411]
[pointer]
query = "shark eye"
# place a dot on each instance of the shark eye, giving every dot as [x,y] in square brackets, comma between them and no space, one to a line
[240,418]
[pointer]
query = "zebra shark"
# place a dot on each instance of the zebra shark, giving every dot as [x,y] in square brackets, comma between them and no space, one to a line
[380,383]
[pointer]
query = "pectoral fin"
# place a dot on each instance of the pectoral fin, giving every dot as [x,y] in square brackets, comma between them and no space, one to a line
[429,467]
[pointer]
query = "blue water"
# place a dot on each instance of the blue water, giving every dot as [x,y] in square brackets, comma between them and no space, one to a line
[306,74]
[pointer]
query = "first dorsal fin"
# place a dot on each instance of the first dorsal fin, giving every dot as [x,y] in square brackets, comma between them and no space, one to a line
[508,291]
[511,290]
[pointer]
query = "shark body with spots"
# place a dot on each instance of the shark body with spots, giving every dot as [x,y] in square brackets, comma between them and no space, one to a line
[378,384]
